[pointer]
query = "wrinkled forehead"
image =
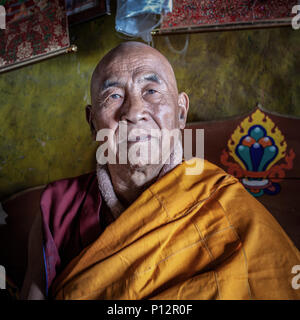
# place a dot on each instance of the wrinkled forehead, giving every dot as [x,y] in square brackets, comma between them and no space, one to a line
[132,63]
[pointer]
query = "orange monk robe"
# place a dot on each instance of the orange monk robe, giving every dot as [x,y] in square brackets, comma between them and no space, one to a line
[187,237]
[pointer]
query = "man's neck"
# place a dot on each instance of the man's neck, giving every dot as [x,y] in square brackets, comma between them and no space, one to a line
[129,183]
[120,188]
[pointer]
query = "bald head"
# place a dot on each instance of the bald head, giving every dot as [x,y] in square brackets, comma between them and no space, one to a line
[136,83]
[129,55]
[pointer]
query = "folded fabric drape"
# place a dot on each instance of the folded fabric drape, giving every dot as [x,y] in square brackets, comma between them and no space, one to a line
[186,237]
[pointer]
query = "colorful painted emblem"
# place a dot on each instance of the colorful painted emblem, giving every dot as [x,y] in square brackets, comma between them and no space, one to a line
[258,148]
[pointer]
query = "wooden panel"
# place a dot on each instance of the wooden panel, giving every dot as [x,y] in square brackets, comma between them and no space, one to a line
[285,207]
[276,185]
[283,130]
[21,210]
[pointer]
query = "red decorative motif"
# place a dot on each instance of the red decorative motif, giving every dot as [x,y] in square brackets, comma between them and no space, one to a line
[275,173]
[33,28]
[206,12]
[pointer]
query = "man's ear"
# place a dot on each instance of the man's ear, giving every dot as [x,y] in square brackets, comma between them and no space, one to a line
[183,107]
[88,116]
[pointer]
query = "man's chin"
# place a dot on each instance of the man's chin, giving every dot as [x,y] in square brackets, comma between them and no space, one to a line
[140,165]
[139,161]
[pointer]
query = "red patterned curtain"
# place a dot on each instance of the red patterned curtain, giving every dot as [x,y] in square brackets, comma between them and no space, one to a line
[204,13]
[34,28]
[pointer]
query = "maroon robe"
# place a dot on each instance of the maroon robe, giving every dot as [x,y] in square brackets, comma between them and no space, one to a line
[73,216]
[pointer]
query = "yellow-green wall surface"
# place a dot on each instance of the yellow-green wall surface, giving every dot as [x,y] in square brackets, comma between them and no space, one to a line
[44,135]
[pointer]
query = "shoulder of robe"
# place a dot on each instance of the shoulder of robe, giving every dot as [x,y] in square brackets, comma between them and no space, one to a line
[67,187]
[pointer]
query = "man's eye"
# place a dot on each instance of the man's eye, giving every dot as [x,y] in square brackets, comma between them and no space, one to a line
[115,96]
[151,91]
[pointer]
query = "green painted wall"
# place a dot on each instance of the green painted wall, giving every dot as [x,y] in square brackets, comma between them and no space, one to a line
[44,136]
[227,73]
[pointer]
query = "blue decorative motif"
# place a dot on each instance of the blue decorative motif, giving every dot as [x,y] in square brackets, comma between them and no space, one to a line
[256,154]
[257,150]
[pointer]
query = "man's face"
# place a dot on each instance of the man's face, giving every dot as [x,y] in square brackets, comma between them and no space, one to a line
[136,87]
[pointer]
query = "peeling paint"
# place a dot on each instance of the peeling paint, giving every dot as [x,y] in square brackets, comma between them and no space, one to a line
[43,143]
[86,97]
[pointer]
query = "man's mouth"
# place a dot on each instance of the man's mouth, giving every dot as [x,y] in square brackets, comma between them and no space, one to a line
[139,138]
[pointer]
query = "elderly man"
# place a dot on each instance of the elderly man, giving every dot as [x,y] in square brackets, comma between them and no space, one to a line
[149,230]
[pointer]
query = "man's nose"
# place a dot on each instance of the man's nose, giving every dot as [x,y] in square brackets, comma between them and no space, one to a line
[134,109]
